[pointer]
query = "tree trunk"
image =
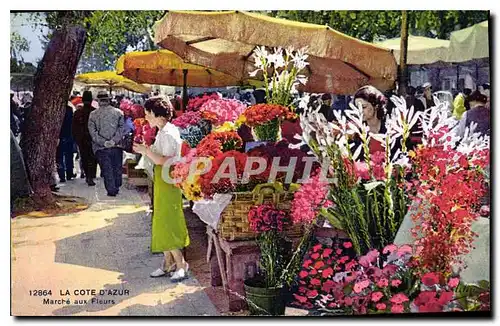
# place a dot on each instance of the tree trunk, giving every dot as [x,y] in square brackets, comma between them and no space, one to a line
[403,69]
[52,87]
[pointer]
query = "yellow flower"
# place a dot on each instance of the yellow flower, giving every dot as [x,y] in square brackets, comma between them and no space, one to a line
[226,126]
[241,120]
[192,191]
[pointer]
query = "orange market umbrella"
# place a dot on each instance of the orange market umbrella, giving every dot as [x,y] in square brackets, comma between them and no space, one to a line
[225,41]
[110,80]
[164,67]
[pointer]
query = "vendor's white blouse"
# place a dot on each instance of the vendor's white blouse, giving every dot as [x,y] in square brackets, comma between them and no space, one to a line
[168,142]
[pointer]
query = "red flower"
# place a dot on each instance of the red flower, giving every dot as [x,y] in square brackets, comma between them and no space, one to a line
[425,297]
[327,286]
[327,272]
[300,298]
[315,281]
[381,306]
[430,279]
[348,301]
[307,263]
[399,298]
[445,297]
[347,245]
[312,294]
[303,274]
[327,252]
[315,256]
[319,264]
[317,247]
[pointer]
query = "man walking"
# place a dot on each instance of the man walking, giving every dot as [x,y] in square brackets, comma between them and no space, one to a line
[82,138]
[65,149]
[106,131]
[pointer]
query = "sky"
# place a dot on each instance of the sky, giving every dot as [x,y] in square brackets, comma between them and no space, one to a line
[21,25]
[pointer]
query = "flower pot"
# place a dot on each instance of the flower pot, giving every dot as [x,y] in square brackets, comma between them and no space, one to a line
[269,131]
[264,301]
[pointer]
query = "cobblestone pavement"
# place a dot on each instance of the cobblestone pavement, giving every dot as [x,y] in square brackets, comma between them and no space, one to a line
[105,249]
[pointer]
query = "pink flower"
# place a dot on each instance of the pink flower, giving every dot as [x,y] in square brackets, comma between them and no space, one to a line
[376,296]
[362,170]
[405,249]
[399,298]
[453,282]
[389,249]
[395,283]
[381,306]
[397,309]
[359,287]
[348,301]
[347,245]
[382,283]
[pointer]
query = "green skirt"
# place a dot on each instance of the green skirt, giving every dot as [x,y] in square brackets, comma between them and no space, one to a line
[169,230]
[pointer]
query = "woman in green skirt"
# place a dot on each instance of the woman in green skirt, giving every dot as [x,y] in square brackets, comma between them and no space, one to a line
[169,231]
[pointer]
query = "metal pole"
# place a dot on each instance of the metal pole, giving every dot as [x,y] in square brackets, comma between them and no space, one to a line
[477,76]
[184,90]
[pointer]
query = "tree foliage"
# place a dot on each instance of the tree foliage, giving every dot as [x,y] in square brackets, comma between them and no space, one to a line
[18,45]
[374,25]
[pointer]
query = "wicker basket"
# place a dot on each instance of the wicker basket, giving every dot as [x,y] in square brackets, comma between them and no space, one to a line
[233,223]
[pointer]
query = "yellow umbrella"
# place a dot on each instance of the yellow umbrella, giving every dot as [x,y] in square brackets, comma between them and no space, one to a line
[111,80]
[225,41]
[164,67]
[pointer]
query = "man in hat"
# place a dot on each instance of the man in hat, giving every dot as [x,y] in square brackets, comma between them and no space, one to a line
[82,138]
[106,131]
[478,113]
[427,99]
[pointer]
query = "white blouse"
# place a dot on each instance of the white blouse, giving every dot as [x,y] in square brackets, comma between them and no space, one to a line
[168,142]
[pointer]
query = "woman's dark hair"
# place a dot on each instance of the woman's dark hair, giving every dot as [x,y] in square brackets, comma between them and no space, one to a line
[374,97]
[160,106]
[476,96]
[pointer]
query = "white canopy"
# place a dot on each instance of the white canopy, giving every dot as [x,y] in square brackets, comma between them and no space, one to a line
[421,50]
[469,43]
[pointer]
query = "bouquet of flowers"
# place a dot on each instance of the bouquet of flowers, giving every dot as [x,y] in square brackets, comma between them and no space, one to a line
[265,119]
[191,187]
[143,132]
[218,142]
[137,111]
[225,110]
[195,103]
[268,222]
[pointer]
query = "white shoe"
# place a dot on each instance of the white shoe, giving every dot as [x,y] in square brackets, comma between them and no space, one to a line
[180,274]
[158,273]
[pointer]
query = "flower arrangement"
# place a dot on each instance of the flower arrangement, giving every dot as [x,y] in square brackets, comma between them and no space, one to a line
[261,114]
[189,118]
[210,185]
[335,281]
[137,111]
[280,70]
[194,104]
[268,222]
[225,110]
[265,119]
[143,132]
[218,142]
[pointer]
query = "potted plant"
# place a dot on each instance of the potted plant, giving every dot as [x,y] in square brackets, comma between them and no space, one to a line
[266,293]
